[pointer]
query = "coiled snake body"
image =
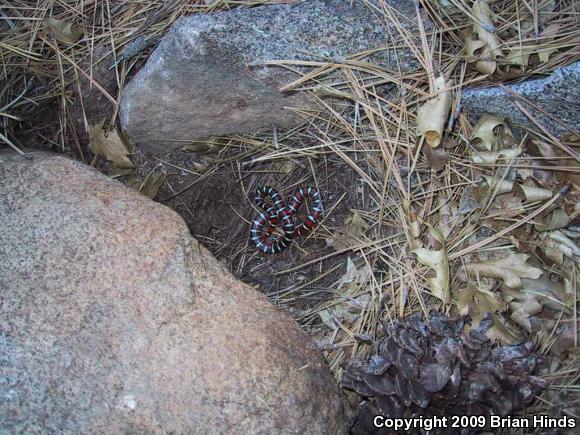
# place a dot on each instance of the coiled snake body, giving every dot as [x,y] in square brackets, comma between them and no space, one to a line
[262,230]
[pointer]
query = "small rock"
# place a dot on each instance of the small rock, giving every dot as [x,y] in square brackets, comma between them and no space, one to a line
[207,77]
[557,94]
[113,319]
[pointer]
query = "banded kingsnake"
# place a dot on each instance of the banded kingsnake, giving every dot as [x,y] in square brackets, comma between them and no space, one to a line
[272,215]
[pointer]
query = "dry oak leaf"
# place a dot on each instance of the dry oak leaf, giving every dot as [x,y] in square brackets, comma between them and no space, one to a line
[475,48]
[557,246]
[557,157]
[526,190]
[150,187]
[482,43]
[353,278]
[538,148]
[550,293]
[507,205]
[413,219]
[439,262]
[491,133]
[533,193]
[448,215]
[476,302]
[484,27]
[64,31]
[544,11]
[491,157]
[109,145]
[522,307]
[432,115]
[499,331]
[354,300]
[351,234]
[521,56]
[498,185]
[436,158]
[510,269]
[556,219]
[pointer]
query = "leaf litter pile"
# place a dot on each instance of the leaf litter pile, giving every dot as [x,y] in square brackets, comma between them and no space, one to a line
[438,369]
[443,278]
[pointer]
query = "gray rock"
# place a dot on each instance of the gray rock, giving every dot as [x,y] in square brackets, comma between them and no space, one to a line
[557,94]
[207,77]
[113,319]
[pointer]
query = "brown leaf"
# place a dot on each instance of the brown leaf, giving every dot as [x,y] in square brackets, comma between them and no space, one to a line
[491,133]
[482,44]
[533,193]
[507,205]
[449,216]
[475,302]
[526,190]
[285,166]
[520,56]
[557,247]
[484,26]
[554,156]
[413,222]
[491,157]
[354,302]
[150,187]
[552,294]
[538,148]
[476,49]
[522,307]
[556,219]
[499,331]
[439,262]
[435,157]
[109,145]
[510,269]
[64,31]
[544,9]
[351,234]
[432,115]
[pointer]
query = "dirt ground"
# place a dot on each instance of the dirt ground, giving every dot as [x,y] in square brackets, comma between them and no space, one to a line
[219,208]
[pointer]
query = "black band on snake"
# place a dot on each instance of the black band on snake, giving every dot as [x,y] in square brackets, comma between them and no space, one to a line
[262,230]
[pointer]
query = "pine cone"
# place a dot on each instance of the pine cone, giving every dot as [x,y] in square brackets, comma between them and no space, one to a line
[436,369]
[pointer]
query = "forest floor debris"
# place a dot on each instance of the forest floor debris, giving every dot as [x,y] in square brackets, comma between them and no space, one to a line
[423,212]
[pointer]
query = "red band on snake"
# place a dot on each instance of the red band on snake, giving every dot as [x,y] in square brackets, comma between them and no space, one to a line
[262,230]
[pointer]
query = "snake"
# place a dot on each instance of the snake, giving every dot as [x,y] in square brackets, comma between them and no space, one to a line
[262,231]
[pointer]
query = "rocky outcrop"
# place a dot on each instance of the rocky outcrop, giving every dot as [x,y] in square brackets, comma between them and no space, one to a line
[114,319]
[555,101]
[209,75]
